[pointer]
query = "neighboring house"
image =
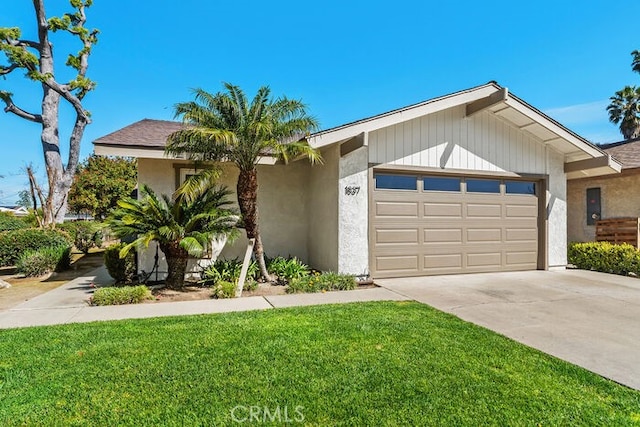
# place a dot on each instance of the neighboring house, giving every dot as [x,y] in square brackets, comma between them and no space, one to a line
[15,210]
[474,181]
[605,197]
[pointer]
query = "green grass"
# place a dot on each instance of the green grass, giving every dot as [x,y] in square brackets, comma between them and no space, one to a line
[359,364]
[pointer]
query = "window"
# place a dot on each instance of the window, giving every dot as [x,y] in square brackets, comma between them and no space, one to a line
[186,173]
[520,187]
[433,183]
[396,182]
[483,186]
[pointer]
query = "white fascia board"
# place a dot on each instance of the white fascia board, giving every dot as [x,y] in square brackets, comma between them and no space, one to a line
[553,127]
[155,153]
[142,153]
[322,139]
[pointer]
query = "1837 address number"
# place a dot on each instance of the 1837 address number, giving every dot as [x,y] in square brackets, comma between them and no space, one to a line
[351,190]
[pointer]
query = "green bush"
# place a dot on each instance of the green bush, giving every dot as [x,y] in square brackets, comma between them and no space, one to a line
[121,295]
[287,269]
[15,242]
[123,270]
[223,289]
[605,257]
[11,222]
[85,234]
[228,271]
[44,260]
[319,282]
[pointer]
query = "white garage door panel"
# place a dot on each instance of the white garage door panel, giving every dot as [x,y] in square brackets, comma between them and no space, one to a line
[417,232]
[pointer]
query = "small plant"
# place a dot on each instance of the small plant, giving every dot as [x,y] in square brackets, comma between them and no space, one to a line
[223,289]
[15,242]
[287,269]
[320,282]
[229,271]
[85,234]
[44,260]
[123,270]
[250,285]
[11,222]
[121,295]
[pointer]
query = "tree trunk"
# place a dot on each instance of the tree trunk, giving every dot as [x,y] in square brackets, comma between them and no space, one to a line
[176,264]
[59,177]
[247,190]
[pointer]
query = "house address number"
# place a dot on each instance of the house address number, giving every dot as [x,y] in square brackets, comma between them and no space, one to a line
[351,190]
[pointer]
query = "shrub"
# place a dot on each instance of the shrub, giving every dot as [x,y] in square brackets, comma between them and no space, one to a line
[121,295]
[287,269]
[228,271]
[123,270]
[319,282]
[85,234]
[44,260]
[605,257]
[224,289]
[15,242]
[11,222]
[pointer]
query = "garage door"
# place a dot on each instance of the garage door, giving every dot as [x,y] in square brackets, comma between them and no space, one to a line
[425,225]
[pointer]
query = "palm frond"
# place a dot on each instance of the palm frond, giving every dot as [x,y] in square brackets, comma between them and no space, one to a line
[197,185]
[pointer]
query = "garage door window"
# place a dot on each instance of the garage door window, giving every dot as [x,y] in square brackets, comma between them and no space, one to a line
[436,183]
[396,182]
[483,186]
[520,187]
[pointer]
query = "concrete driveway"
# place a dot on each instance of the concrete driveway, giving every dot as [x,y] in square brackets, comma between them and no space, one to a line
[587,318]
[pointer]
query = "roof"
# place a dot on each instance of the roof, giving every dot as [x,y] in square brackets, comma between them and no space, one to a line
[494,99]
[626,152]
[146,133]
[147,138]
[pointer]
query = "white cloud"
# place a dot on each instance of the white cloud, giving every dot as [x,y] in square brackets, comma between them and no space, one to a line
[590,112]
[590,120]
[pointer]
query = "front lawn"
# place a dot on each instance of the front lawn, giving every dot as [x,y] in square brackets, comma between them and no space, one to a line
[358,364]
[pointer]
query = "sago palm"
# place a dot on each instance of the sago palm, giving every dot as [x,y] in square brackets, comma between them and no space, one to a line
[183,225]
[624,110]
[228,127]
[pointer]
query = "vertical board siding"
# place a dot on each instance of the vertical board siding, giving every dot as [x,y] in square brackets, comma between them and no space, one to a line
[481,142]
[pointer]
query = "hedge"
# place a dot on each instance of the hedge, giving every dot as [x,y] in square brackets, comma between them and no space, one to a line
[120,296]
[121,269]
[44,260]
[605,257]
[14,243]
[11,222]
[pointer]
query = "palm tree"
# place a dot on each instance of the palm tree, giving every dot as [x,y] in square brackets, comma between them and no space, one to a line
[183,225]
[624,110]
[635,64]
[226,127]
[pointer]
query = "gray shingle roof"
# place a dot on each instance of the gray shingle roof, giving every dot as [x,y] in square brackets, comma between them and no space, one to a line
[626,152]
[145,133]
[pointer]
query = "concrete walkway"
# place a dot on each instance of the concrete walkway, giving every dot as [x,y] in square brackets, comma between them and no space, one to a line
[587,318]
[68,304]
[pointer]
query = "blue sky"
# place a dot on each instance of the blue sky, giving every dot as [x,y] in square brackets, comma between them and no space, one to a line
[346,60]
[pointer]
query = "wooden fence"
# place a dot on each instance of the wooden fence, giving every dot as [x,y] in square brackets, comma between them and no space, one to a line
[618,230]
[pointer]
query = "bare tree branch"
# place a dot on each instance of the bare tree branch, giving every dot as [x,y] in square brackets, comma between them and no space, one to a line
[74,146]
[65,92]
[12,108]
[35,190]
[7,70]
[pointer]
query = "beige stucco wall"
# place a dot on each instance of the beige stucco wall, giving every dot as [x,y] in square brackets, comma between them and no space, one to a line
[282,198]
[619,195]
[323,212]
[353,213]
[556,210]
